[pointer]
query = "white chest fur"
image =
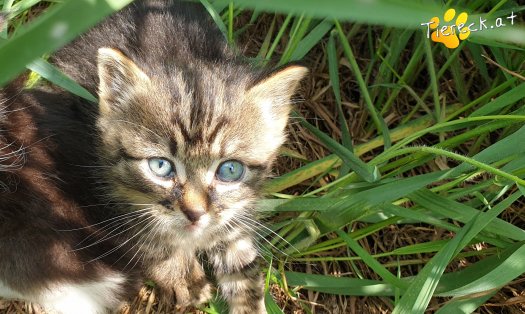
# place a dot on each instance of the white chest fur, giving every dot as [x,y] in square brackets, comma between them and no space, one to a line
[65,298]
[8,293]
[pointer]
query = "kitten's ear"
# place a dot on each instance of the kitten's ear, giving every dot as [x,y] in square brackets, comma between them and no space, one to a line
[273,94]
[281,84]
[118,77]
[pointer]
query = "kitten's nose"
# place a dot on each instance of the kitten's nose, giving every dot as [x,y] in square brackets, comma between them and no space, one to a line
[192,215]
[193,203]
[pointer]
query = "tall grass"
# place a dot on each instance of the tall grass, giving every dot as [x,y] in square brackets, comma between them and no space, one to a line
[452,160]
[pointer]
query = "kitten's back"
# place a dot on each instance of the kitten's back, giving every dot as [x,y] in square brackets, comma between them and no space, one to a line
[159,35]
[41,226]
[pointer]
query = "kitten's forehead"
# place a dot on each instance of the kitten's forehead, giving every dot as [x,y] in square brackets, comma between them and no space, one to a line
[204,112]
[201,91]
[207,112]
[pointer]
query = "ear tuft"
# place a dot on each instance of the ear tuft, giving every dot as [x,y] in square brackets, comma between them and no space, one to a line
[118,75]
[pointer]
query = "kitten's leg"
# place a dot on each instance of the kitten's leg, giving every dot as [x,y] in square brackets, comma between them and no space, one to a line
[238,274]
[181,277]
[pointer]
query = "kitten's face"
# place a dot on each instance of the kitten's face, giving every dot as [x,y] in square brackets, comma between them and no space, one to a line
[194,148]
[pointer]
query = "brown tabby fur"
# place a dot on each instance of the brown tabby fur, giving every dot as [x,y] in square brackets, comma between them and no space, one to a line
[169,87]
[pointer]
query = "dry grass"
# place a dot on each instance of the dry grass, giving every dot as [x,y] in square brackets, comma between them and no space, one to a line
[320,109]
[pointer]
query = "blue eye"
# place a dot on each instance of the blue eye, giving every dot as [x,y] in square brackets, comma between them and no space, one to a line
[230,171]
[160,167]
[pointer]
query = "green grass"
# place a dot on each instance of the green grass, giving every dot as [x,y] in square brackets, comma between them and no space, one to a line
[444,149]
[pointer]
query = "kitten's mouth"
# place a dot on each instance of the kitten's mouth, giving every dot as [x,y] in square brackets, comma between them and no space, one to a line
[193,227]
[198,226]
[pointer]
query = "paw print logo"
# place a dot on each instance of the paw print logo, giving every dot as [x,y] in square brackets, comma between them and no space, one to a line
[450,35]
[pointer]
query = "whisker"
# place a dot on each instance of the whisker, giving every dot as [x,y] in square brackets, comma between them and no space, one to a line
[119,217]
[113,203]
[142,240]
[261,249]
[151,237]
[122,244]
[240,223]
[256,224]
[110,235]
[114,224]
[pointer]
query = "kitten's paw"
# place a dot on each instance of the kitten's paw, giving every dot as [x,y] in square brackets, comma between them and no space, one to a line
[203,295]
[193,293]
[250,307]
[182,280]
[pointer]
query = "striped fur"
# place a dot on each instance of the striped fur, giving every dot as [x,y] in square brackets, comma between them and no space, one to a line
[240,123]
[169,87]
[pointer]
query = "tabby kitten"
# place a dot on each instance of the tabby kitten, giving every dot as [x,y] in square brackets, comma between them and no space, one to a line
[184,135]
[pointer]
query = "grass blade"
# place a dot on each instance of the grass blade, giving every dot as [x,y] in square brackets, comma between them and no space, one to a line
[371,262]
[421,289]
[367,172]
[216,18]
[52,74]
[464,305]
[378,121]
[341,286]
[489,274]
[313,38]
[509,98]
[333,71]
[362,201]
[50,31]
[270,304]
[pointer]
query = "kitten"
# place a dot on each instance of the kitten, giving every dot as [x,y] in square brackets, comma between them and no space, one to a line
[184,134]
[37,261]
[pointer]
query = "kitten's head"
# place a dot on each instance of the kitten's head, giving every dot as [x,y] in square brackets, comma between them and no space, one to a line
[194,144]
